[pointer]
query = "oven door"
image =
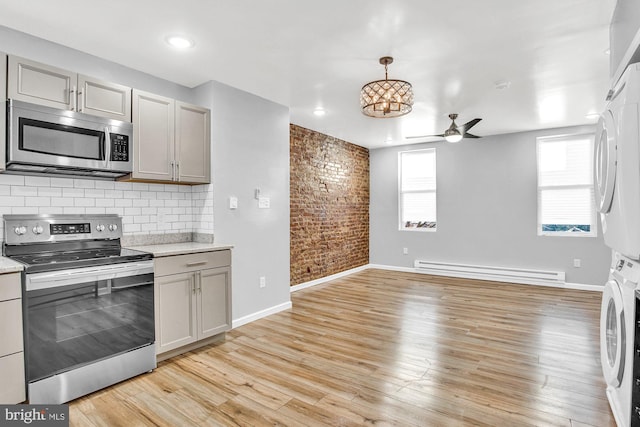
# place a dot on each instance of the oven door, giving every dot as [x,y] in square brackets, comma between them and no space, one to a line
[80,316]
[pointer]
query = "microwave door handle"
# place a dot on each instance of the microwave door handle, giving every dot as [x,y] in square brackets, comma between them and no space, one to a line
[107,143]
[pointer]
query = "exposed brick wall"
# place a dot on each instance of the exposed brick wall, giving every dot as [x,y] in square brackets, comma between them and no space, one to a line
[329,205]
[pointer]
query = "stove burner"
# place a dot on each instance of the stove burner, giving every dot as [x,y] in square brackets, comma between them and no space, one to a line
[54,259]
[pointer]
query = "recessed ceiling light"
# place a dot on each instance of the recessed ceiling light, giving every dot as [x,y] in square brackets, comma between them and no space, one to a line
[592,116]
[502,84]
[319,112]
[180,42]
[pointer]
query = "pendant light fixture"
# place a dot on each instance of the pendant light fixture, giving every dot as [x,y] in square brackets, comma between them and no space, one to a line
[386,98]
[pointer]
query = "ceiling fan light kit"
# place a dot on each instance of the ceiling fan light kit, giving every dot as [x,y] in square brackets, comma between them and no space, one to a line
[454,133]
[386,98]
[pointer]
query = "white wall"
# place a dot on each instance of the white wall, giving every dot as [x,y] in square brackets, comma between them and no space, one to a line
[487,211]
[251,150]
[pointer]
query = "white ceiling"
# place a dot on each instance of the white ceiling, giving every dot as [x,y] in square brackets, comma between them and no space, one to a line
[319,54]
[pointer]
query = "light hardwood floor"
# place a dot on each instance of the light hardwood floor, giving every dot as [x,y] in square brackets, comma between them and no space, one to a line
[384,348]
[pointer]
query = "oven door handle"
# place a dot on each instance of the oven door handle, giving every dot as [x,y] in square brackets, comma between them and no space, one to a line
[37,281]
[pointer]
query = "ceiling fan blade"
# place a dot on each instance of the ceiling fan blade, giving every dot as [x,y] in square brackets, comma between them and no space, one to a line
[465,127]
[424,136]
[470,135]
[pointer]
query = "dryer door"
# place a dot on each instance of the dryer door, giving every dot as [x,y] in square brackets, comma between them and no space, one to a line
[605,161]
[612,334]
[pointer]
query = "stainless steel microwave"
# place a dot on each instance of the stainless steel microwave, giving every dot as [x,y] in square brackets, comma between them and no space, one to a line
[43,140]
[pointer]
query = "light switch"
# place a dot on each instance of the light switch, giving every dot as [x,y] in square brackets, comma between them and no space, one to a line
[233,202]
[264,202]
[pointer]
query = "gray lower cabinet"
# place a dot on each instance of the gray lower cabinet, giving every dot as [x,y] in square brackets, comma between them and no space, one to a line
[11,348]
[192,299]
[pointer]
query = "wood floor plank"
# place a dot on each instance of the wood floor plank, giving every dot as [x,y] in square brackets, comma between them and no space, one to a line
[384,348]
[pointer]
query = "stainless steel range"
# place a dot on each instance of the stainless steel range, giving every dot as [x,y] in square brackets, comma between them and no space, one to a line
[87,304]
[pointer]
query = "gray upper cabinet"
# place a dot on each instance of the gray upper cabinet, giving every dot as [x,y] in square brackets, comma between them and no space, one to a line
[171,140]
[153,137]
[43,84]
[193,143]
[3,111]
[104,99]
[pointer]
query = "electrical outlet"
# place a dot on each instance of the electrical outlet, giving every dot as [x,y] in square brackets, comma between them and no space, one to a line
[405,251]
[233,202]
[577,263]
[264,202]
[263,281]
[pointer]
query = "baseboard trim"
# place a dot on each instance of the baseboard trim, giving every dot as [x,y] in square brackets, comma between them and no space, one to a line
[260,314]
[328,278]
[565,285]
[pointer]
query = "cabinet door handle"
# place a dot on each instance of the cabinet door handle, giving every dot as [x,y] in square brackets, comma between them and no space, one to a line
[73,99]
[193,285]
[193,264]
[200,281]
[171,170]
[80,101]
[177,171]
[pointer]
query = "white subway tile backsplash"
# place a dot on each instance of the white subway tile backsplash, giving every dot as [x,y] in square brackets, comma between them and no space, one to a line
[104,202]
[84,183]
[37,201]
[62,182]
[105,185]
[72,192]
[145,208]
[113,194]
[11,179]
[50,191]
[39,181]
[85,202]
[131,194]
[72,210]
[62,201]
[12,201]
[23,191]
[94,193]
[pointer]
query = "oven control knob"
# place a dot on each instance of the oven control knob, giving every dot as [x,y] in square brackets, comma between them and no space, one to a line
[113,227]
[20,230]
[37,229]
[100,227]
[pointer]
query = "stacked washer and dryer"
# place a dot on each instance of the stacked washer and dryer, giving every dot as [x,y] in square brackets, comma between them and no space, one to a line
[617,193]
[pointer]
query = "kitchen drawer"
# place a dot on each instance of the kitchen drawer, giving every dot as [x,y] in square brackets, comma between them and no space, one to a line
[12,374]
[10,327]
[191,262]
[10,286]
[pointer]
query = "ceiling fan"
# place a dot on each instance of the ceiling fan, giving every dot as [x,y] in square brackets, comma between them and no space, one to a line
[454,133]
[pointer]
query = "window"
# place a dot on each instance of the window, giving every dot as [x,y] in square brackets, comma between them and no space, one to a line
[566,204]
[417,189]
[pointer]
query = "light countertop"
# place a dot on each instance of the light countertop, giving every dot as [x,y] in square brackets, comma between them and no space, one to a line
[169,249]
[9,266]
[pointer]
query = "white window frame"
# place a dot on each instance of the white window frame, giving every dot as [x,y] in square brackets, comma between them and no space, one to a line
[401,225]
[593,216]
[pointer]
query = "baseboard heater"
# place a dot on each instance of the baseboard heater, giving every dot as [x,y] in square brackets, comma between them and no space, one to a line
[500,274]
